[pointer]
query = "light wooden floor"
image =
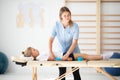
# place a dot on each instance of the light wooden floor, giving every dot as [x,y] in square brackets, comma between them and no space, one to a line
[51,74]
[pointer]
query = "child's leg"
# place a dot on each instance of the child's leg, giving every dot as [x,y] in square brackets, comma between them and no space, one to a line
[87,56]
[95,57]
[76,55]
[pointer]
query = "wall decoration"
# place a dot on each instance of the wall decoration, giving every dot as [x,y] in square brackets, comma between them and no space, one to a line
[30,14]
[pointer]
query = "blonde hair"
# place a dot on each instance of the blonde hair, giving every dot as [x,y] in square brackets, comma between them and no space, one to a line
[27,52]
[65,9]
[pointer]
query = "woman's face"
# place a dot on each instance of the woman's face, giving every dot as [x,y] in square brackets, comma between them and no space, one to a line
[66,17]
[35,52]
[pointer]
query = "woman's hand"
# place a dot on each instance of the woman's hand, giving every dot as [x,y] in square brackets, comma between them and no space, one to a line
[65,57]
[51,57]
[69,59]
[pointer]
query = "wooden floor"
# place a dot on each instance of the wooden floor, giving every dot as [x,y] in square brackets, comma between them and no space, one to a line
[44,74]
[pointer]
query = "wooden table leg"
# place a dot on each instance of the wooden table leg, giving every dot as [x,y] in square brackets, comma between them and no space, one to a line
[105,73]
[67,73]
[34,73]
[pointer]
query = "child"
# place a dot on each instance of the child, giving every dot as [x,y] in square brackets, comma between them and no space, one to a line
[32,52]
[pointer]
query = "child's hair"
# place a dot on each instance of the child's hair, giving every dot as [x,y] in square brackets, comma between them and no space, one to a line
[65,9]
[27,52]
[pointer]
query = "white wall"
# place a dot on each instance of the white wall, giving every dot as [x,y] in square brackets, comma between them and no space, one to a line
[14,40]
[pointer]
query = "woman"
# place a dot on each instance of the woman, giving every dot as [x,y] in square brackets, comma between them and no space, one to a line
[66,33]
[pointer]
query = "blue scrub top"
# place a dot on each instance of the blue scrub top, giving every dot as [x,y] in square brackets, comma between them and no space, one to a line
[65,36]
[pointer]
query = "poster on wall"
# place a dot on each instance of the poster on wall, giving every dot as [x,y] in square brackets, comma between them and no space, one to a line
[30,14]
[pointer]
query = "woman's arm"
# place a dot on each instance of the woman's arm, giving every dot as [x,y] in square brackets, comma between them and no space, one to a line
[72,47]
[50,44]
[51,57]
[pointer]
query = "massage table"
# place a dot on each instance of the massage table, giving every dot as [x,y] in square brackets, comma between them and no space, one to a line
[76,64]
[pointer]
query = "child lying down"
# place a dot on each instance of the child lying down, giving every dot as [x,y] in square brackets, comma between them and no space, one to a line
[32,52]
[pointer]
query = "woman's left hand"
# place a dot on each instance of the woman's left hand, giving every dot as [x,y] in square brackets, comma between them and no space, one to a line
[65,57]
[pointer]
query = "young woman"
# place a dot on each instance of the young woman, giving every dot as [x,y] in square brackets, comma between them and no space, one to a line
[66,33]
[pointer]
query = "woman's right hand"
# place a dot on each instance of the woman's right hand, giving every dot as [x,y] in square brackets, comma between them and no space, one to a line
[51,57]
